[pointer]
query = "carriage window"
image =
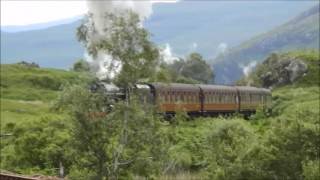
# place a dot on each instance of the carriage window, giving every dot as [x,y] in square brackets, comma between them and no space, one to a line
[176,98]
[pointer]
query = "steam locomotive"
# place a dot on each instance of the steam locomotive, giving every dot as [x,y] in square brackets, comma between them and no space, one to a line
[203,100]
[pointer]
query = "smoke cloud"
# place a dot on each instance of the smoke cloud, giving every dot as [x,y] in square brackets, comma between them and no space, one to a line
[222,48]
[167,55]
[98,9]
[248,68]
[103,64]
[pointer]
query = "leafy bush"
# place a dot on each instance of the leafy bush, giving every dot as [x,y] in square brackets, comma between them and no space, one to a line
[122,143]
[81,66]
[36,147]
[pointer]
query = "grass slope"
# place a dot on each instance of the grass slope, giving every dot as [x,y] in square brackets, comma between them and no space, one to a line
[27,93]
[236,143]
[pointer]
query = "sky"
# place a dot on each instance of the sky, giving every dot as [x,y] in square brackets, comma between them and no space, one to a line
[15,12]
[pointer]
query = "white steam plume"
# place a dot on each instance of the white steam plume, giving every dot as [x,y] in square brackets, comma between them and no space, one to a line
[103,64]
[222,48]
[248,68]
[167,55]
[98,9]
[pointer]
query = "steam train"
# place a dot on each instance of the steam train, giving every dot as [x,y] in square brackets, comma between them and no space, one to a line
[203,100]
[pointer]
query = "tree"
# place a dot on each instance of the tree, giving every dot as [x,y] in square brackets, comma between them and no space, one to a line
[81,66]
[111,145]
[192,70]
[197,69]
[127,43]
[230,148]
[37,146]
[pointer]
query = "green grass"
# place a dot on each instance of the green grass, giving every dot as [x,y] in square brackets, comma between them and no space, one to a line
[25,101]
[290,99]
[27,93]
[16,111]
[25,83]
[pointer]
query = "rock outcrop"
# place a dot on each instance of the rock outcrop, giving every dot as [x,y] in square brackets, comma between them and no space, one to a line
[281,70]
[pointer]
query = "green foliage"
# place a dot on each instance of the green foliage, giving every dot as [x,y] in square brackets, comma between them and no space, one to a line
[229,146]
[312,58]
[311,170]
[128,44]
[197,69]
[38,146]
[81,66]
[291,146]
[29,83]
[284,145]
[122,143]
[193,70]
[273,69]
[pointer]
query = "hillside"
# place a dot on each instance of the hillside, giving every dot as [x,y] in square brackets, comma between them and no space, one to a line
[282,144]
[201,28]
[55,47]
[292,68]
[301,32]
[27,93]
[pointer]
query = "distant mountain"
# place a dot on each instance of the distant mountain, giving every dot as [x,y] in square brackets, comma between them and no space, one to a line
[53,47]
[302,32]
[38,26]
[187,26]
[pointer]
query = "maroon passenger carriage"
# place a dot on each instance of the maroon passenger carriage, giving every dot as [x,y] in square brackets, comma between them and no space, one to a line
[201,99]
